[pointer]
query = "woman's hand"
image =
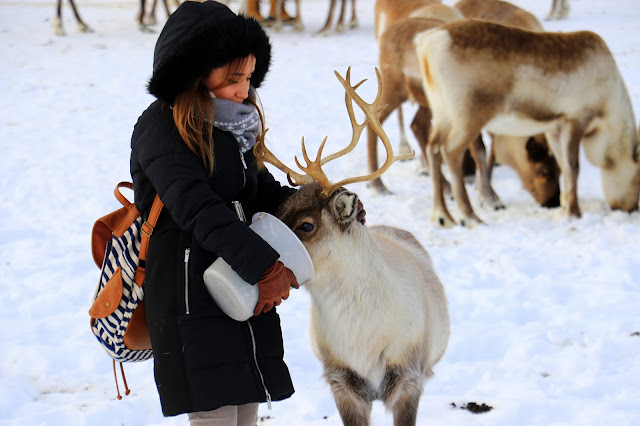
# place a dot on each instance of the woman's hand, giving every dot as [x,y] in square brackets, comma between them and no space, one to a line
[273,287]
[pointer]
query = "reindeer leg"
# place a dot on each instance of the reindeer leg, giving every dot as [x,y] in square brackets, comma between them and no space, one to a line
[392,97]
[565,145]
[403,145]
[441,215]
[142,26]
[453,155]
[82,26]
[559,10]
[420,127]
[340,25]
[58,28]
[166,8]
[150,18]
[325,30]
[353,395]
[486,194]
[401,391]
[297,24]
[276,12]
[354,17]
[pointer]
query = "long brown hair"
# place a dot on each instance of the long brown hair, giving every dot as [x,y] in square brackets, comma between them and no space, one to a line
[193,113]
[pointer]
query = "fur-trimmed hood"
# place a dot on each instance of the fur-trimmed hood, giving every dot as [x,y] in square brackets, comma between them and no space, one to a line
[199,37]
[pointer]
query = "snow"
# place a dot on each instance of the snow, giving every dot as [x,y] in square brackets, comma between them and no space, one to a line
[545,310]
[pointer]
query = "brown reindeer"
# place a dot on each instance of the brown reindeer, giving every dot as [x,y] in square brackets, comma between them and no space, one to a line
[359,270]
[480,75]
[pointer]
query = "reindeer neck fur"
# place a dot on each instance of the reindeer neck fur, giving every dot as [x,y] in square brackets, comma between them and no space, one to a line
[361,301]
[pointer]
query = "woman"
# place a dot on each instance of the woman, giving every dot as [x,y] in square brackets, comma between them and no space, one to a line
[193,146]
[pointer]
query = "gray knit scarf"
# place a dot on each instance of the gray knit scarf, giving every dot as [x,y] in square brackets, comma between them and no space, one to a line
[241,119]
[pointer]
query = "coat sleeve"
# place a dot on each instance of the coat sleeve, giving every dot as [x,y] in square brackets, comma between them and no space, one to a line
[182,184]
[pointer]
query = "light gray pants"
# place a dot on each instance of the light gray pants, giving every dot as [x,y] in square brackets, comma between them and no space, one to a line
[230,415]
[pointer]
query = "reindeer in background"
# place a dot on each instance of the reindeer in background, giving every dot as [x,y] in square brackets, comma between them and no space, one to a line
[278,16]
[143,20]
[529,156]
[480,75]
[379,314]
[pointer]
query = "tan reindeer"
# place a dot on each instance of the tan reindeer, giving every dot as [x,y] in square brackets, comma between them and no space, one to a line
[509,81]
[500,12]
[559,10]
[388,12]
[362,273]
[529,156]
[402,81]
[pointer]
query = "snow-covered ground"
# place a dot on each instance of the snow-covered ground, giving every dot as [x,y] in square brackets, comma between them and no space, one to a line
[545,311]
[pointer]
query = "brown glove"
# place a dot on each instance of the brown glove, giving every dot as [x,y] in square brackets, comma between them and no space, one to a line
[273,287]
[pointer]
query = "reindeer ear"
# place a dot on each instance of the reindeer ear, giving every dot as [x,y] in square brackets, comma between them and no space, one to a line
[536,151]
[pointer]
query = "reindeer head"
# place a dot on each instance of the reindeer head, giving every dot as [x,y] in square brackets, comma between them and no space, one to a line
[544,173]
[321,209]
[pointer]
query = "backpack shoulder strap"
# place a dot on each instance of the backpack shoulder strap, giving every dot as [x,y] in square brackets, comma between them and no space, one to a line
[147,230]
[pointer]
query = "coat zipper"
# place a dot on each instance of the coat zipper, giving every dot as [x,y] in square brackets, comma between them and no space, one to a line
[187,252]
[255,359]
[244,165]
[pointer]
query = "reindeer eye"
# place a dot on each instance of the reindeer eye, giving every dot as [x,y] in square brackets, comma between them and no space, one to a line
[305,227]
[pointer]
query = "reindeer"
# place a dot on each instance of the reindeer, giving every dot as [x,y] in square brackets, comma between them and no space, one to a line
[58,27]
[529,156]
[386,13]
[559,10]
[401,82]
[360,271]
[480,75]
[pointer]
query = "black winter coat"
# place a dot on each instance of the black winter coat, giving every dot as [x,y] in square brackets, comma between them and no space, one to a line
[202,358]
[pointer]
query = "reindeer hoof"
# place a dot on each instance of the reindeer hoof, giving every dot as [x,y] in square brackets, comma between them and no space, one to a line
[57,27]
[84,28]
[444,222]
[144,28]
[470,222]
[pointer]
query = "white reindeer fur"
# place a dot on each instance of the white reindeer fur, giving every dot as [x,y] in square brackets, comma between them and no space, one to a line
[375,296]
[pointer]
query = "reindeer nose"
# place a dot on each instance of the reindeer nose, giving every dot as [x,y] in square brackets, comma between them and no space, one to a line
[346,204]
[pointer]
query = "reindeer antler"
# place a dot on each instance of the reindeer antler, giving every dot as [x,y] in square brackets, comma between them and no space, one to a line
[313,169]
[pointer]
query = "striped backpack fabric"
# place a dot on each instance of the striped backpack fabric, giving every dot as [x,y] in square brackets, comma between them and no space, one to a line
[119,243]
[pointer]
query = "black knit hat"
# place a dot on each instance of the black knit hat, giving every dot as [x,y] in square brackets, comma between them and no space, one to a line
[199,37]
